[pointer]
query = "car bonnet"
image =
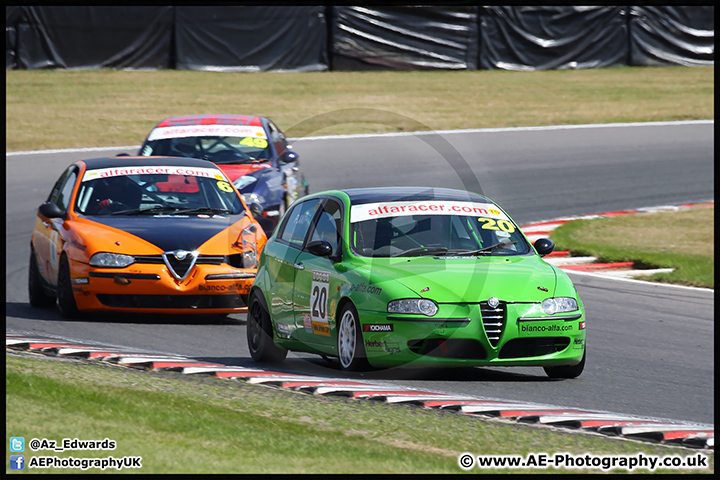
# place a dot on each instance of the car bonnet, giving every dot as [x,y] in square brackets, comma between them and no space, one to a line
[171,232]
[457,280]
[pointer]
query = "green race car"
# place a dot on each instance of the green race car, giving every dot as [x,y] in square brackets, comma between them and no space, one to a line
[409,276]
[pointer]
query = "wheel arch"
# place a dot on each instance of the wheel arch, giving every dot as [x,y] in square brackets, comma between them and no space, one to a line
[257,291]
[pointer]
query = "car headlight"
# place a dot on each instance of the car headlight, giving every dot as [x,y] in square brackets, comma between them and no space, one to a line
[249,246]
[244,181]
[111,260]
[418,306]
[250,198]
[560,304]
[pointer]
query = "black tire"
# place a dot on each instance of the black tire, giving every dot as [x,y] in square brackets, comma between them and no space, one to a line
[36,292]
[568,371]
[350,348]
[66,297]
[259,334]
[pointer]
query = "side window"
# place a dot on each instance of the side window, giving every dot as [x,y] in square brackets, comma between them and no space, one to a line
[297,222]
[57,188]
[63,200]
[277,138]
[328,225]
[63,189]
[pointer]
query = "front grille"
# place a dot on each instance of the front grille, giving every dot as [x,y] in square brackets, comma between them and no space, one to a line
[180,268]
[457,348]
[202,259]
[533,347]
[493,321]
[189,302]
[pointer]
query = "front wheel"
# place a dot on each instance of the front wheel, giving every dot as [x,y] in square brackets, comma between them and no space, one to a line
[66,297]
[36,292]
[568,371]
[259,334]
[351,351]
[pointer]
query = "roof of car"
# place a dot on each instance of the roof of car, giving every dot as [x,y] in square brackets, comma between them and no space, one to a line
[211,119]
[128,161]
[390,194]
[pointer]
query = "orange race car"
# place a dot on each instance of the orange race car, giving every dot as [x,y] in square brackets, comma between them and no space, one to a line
[144,235]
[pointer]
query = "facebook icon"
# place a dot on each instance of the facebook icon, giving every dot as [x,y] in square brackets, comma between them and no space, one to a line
[17,462]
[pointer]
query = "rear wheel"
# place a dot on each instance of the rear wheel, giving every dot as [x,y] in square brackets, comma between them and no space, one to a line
[259,334]
[66,298]
[568,371]
[351,351]
[36,292]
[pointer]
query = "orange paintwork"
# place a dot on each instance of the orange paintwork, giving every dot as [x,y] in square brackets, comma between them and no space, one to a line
[80,237]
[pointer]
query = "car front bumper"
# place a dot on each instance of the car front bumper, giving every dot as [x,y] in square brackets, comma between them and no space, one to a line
[208,289]
[470,338]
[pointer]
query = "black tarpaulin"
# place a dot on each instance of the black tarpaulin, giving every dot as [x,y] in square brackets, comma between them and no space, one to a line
[544,37]
[251,38]
[404,38]
[13,16]
[682,35]
[95,37]
[312,38]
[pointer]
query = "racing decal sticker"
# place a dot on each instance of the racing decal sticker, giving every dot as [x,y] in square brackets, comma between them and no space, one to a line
[224,288]
[369,211]
[534,328]
[152,170]
[380,327]
[254,142]
[503,226]
[348,288]
[224,186]
[283,330]
[207,131]
[382,346]
[319,303]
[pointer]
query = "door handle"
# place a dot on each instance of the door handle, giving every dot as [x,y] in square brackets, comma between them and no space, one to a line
[299,266]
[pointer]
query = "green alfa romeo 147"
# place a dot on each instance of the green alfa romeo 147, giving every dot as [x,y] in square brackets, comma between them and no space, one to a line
[417,277]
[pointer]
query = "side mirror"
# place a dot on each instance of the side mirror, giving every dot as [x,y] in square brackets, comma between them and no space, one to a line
[50,210]
[321,248]
[256,209]
[544,246]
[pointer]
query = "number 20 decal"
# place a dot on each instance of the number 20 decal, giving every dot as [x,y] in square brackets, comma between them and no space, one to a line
[318,300]
[492,224]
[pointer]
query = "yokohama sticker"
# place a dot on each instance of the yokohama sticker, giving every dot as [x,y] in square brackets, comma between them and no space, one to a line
[378,327]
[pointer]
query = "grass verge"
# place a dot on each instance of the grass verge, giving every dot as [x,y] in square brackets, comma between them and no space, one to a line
[682,240]
[183,424]
[98,108]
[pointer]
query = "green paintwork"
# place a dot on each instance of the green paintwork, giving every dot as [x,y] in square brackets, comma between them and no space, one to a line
[454,336]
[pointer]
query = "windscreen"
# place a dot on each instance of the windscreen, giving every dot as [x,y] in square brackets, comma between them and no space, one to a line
[154,190]
[222,144]
[420,228]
